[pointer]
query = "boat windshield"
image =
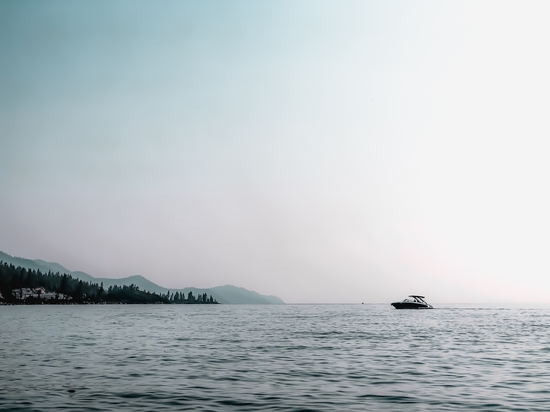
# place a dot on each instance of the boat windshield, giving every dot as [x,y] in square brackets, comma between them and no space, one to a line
[414,299]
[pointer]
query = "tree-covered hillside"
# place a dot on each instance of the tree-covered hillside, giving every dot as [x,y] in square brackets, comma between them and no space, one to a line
[223,294]
[21,285]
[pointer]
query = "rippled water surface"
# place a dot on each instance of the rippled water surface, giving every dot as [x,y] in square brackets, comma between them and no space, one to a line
[286,358]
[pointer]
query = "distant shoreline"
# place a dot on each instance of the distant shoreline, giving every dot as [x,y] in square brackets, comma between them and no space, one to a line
[19,285]
[227,294]
[70,303]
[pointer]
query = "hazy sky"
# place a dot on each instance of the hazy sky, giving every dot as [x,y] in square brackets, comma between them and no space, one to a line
[334,151]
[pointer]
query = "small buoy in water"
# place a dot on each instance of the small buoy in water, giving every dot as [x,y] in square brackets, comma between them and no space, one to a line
[71,391]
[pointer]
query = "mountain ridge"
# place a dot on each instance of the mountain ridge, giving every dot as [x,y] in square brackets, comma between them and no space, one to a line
[227,294]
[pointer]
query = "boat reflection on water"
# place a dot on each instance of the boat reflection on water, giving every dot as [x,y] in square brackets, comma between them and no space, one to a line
[412,302]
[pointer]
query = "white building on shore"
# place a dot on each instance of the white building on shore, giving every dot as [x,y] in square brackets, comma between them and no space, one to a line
[39,293]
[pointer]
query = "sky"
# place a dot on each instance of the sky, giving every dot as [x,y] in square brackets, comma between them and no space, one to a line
[320,151]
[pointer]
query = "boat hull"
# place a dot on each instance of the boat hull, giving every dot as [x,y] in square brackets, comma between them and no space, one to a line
[410,305]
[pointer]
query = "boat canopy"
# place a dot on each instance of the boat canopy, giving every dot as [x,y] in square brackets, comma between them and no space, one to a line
[416,298]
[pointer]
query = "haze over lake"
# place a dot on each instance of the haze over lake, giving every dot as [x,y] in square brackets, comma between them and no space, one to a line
[318,151]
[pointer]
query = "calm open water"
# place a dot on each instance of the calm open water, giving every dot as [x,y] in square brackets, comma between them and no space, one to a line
[284,358]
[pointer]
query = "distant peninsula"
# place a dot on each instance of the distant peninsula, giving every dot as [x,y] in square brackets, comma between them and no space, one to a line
[140,289]
[19,285]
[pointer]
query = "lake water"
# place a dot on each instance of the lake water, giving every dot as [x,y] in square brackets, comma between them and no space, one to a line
[282,358]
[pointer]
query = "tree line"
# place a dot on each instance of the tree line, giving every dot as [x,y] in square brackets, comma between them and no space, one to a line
[72,290]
